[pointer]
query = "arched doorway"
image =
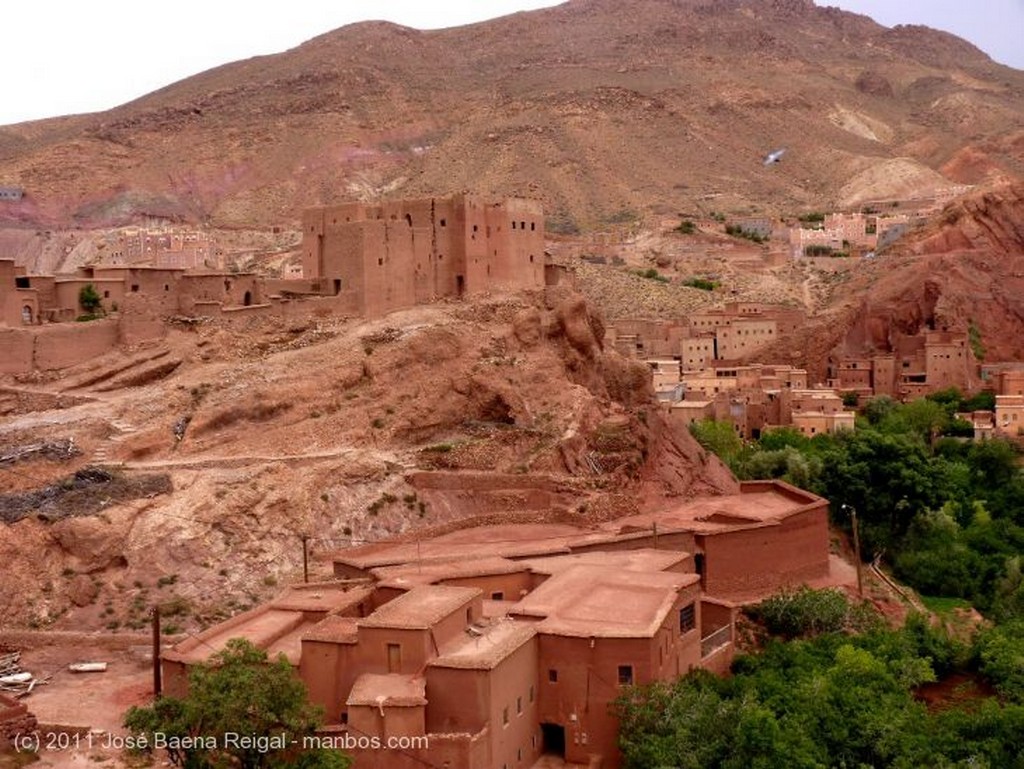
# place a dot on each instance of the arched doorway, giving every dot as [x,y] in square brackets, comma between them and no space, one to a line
[26,315]
[247,299]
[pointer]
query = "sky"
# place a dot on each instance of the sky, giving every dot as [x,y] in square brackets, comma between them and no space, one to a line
[994,26]
[71,56]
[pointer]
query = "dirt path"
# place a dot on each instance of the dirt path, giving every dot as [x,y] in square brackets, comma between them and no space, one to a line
[242,460]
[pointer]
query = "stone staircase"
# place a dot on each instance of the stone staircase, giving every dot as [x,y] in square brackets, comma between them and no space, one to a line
[107,450]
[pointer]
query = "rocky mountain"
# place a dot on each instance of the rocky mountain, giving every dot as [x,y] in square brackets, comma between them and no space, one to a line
[605,110]
[961,271]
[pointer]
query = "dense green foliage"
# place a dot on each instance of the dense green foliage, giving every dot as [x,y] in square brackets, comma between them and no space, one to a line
[807,612]
[835,700]
[239,692]
[89,299]
[947,514]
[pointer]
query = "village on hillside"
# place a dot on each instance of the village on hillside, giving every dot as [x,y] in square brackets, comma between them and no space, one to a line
[544,623]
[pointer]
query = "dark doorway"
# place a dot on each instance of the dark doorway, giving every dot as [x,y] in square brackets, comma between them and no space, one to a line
[460,285]
[247,299]
[554,739]
[337,286]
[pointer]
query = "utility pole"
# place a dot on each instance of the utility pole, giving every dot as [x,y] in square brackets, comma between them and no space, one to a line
[856,547]
[655,535]
[157,680]
[305,558]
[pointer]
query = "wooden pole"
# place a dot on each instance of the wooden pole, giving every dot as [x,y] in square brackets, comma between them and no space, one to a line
[856,551]
[157,680]
[305,558]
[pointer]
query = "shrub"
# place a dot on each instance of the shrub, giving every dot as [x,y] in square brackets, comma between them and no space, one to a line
[804,612]
[702,283]
[89,300]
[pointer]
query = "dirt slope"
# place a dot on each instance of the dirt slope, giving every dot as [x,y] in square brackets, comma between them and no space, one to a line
[336,431]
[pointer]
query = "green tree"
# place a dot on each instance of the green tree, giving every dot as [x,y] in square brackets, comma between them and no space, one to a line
[89,299]
[239,692]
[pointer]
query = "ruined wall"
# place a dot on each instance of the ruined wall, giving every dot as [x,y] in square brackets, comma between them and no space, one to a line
[64,345]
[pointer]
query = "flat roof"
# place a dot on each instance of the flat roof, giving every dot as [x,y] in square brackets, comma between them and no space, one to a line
[760,503]
[388,690]
[504,541]
[278,626]
[334,629]
[483,647]
[601,602]
[421,608]
[435,571]
[643,559]
[262,628]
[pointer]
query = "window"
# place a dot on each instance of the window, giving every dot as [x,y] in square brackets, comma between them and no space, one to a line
[106,294]
[519,706]
[394,658]
[687,619]
[504,716]
[497,595]
[135,288]
[444,223]
[553,676]
[625,675]
[533,226]
[531,692]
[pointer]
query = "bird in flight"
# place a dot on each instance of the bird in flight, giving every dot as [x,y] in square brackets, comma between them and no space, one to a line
[774,157]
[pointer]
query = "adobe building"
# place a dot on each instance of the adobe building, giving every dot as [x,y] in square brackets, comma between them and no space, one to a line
[491,646]
[19,302]
[387,256]
[916,366]
[730,334]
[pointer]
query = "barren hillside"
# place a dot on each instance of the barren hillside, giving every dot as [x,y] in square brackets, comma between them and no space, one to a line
[223,447]
[605,110]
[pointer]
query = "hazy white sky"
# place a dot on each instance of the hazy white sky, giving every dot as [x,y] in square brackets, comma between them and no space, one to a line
[70,56]
[994,26]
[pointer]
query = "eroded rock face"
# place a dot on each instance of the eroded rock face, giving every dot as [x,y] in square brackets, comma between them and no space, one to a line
[430,417]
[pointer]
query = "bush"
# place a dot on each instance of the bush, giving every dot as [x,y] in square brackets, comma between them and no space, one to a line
[817,250]
[686,227]
[805,612]
[702,283]
[652,274]
[89,300]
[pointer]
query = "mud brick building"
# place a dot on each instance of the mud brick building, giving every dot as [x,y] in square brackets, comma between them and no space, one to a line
[388,256]
[497,644]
